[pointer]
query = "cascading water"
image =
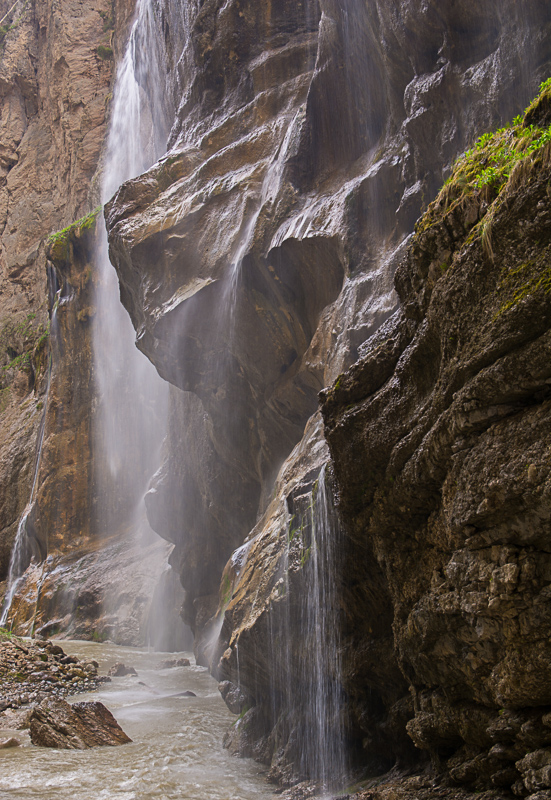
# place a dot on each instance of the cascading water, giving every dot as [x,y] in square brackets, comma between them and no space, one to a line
[323,749]
[130,421]
[308,704]
[132,397]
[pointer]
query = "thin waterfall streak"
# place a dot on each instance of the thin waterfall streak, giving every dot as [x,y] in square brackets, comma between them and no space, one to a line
[19,556]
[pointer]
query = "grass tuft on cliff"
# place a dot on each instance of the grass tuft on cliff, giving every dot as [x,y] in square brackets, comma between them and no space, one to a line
[58,243]
[485,177]
[487,167]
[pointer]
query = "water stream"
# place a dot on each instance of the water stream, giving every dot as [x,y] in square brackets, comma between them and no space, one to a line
[176,750]
[131,418]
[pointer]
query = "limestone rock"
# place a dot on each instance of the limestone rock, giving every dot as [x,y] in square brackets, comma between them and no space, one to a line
[438,438]
[256,258]
[55,723]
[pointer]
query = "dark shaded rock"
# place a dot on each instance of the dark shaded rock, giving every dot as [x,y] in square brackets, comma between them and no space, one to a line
[438,438]
[236,700]
[55,723]
[119,670]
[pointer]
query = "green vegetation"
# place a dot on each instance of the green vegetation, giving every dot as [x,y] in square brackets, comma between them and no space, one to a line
[5,25]
[486,168]
[524,280]
[491,171]
[58,242]
[104,52]
[108,21]
[23,345]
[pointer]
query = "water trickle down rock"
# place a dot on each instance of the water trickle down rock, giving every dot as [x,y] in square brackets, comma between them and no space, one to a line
[439,437]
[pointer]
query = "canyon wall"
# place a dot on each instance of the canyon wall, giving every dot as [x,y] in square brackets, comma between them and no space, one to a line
[256,259]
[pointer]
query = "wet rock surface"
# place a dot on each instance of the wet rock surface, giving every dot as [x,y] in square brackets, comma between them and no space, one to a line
[257,257]
[56,723]
[119,670]
[53,90]
[440,439]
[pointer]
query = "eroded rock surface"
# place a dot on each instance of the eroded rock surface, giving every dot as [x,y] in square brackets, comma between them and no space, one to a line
[257,256]
[440,439]
[55,723]
[53,89]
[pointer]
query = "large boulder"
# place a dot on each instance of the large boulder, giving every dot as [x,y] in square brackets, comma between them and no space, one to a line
[56,723]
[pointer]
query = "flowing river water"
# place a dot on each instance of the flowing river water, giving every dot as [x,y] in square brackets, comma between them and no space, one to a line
[176,752]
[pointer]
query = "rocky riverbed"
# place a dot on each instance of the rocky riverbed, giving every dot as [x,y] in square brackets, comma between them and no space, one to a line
[31,671]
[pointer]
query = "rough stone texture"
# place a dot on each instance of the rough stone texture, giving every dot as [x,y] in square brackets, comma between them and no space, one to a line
[440,439]
[86,582]
[33,670]
[309,139]
[259,175]
[55,723]
[53,90]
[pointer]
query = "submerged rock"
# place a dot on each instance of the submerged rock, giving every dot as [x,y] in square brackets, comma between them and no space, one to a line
[55,723]
[170,663]
[119,670]
[5,744]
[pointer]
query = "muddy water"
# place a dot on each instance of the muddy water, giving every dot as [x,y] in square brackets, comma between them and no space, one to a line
[176,752]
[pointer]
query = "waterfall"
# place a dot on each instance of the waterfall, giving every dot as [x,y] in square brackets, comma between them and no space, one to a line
[323,749]
[307,699]
[131,416]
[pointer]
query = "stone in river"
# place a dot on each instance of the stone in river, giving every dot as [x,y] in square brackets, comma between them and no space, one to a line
[174,662]
[11,742]
[55,723]
[119,670]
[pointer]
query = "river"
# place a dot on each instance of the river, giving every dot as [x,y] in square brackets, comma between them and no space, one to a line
[176,752]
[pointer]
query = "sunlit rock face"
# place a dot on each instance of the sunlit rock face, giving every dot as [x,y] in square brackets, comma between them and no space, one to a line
[257,258]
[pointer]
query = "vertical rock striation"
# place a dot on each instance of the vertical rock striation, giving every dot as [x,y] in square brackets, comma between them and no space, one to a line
[56,67]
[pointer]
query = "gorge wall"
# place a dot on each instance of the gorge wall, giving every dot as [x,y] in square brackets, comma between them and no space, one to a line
[257,260]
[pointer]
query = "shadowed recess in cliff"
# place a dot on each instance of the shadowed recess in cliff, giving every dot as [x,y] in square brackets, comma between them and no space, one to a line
[26,545]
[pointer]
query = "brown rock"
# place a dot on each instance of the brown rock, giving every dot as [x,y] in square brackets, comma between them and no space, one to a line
[169,663]
[5,744]
[55,723]
[119,670]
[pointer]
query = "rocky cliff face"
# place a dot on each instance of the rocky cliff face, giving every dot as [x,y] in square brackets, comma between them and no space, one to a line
[256,259]
[440,441]
[54,80]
